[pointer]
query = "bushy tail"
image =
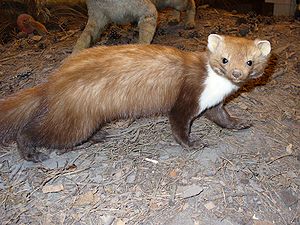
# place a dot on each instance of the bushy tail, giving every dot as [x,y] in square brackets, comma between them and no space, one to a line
[17,110]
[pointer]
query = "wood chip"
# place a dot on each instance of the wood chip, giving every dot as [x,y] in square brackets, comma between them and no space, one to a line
[289,148]
[52,188]
[151,160]
[85,199]
[173,173]
[262,222]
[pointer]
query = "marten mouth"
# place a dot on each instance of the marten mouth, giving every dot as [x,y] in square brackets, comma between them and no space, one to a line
[237,81]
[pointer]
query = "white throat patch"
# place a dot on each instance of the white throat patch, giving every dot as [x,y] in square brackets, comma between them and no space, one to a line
[216,88]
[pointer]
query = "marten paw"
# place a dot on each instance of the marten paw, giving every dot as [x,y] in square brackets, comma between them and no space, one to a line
[36,157]
[240,125]
[198,144]
[98,137]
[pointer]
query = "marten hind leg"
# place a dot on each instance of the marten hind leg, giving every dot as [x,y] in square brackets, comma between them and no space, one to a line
[190,15]
[27,148]
[147,25]
[92,30]
[221,117]
[189,7]
[98,137]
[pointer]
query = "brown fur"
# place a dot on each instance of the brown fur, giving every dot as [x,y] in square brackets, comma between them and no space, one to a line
[103,84]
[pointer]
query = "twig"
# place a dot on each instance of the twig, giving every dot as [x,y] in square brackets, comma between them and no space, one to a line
[151,160]
[279,157]
[69,35]
[56,175]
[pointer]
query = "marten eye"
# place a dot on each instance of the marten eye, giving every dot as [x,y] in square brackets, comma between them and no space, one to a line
[249,63]
[225,61]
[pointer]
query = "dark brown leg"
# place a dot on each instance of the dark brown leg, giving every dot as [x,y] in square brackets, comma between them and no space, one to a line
[182,114]
[28,150]
[180,126]
[220,116]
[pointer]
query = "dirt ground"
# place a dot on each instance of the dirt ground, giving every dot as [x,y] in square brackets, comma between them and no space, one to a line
[139,175]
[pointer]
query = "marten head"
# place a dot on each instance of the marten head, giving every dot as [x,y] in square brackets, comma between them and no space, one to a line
[238,59]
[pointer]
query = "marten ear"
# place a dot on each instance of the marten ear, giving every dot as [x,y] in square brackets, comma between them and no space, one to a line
[264,46]
[213,42]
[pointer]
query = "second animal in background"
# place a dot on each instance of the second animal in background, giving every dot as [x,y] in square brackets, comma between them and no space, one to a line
[103,12]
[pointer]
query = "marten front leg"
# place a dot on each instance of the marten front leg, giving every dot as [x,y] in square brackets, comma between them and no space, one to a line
[221,117]
[182,115]
[27,149]
[180,126]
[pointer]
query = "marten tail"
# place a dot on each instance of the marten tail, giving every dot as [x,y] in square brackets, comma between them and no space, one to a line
[18,110]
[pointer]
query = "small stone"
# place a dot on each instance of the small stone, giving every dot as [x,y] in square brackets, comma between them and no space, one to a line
[107,219]
[288,197]
[190,191]
[131,178]
[210,205]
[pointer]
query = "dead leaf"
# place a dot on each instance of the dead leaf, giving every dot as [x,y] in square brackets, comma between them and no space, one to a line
[173,173]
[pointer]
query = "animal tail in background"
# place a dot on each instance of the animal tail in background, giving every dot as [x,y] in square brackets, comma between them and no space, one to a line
[16,111]
[297,11]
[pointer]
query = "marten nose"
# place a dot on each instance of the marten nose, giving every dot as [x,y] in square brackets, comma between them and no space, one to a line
[236,73]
